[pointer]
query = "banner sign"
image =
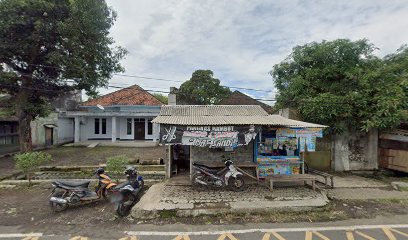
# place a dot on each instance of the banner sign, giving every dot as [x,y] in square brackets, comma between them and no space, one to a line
[299,132]
[208,136]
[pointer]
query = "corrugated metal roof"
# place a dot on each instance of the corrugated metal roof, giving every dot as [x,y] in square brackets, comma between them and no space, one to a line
[213,110]
[224,115]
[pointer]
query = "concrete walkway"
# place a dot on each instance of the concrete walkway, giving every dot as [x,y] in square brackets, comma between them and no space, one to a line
[366,194]
[353,181]
[187,201]
[108,143]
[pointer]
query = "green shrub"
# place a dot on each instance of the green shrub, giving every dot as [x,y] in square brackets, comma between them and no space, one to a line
[30,161]
[117,164]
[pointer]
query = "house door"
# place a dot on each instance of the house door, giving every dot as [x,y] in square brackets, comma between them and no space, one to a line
[49,136]
[139,130]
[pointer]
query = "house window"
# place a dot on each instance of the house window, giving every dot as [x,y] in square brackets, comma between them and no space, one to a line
[149,127]
[100,128]
[96,126]
[129,126]
[139,119]
[103,125]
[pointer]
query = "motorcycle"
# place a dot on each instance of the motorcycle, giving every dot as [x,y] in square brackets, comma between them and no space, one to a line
[227,177]
[127,194]
[68,193]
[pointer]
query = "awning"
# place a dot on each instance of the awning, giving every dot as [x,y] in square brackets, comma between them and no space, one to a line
[216,115]
[272,120]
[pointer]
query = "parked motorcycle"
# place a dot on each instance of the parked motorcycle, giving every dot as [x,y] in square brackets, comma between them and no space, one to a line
[68,193]
[126,194]
[227,177]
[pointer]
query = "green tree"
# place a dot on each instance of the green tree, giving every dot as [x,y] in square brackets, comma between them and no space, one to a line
[202,89]
[116,165]
[162,98]
[48,48]
[342,84]
[30,161]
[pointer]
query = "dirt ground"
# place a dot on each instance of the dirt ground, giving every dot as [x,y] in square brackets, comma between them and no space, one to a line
[68,156]
[29,207]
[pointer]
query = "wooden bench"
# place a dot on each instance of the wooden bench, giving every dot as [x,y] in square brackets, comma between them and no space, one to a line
[325,175]
[292,178]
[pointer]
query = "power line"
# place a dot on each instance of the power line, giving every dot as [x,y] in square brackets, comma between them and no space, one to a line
[149,90]
[163,79]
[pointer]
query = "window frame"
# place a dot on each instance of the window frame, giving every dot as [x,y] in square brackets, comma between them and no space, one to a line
[149,126]
[128,126]
[97,123]
[103,126]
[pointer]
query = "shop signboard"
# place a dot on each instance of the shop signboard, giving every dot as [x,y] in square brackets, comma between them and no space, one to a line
[309,132]
[299,132]
[208,136]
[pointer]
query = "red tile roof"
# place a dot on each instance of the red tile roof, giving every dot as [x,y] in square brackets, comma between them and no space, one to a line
[133,95]
[238,98]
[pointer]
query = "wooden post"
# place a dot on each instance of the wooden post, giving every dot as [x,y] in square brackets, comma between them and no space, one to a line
[191,163]
[168,162]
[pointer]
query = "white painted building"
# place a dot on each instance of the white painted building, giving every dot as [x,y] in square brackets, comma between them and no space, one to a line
[124,115]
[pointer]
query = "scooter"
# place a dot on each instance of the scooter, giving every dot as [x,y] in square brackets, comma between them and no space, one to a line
[227,177]
[68,193]
[126,195]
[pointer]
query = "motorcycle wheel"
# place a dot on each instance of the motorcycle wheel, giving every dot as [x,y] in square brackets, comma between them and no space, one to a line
[141,184]
[123,210]
[107,195]
[58,207]
[196,184]
[237,183]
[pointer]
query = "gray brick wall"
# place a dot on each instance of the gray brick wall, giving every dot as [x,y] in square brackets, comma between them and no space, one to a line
[242,154]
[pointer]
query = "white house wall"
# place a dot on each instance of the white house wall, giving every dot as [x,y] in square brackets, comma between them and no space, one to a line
[65,130]
[88,129]
[38,130]
[123,129]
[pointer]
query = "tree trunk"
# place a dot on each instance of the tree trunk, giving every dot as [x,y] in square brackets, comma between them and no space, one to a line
[24,120]
[28,175]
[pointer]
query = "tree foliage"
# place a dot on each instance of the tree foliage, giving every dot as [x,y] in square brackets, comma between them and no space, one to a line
[49,48]
[162,98]
[343,84]
[202,89]
[30,161]
[117,164]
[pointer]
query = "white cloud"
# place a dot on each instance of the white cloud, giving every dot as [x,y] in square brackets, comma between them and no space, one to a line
[241,40]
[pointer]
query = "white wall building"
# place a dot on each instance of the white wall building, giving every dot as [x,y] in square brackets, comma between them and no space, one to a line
[122,115]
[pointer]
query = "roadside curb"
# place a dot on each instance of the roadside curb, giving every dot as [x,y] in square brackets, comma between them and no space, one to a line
[148,182]
[151,206]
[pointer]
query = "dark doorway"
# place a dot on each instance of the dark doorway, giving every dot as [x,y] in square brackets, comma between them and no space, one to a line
[49,136]
[180,159]
[139,130]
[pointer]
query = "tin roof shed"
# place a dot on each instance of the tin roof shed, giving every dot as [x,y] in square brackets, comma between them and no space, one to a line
[201,115]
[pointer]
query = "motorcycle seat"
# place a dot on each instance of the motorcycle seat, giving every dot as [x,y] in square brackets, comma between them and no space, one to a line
[84,184]
[209,169]
[121,185]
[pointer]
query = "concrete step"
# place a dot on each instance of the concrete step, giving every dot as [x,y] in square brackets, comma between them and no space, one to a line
[82,175]
[8,183]
[150,167]
[93,167]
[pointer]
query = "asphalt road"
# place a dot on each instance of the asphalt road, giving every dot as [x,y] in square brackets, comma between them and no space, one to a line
[357,232]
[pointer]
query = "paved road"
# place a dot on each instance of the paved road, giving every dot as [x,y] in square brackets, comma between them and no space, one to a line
[367,232]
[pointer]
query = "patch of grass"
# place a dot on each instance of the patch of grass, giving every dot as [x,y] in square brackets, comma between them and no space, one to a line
[392,200]
[168,214]
[403,189]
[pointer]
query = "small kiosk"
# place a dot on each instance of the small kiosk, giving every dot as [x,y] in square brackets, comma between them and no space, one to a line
[267,145]
[278,149]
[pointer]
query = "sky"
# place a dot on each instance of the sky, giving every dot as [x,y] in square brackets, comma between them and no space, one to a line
[240,41]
